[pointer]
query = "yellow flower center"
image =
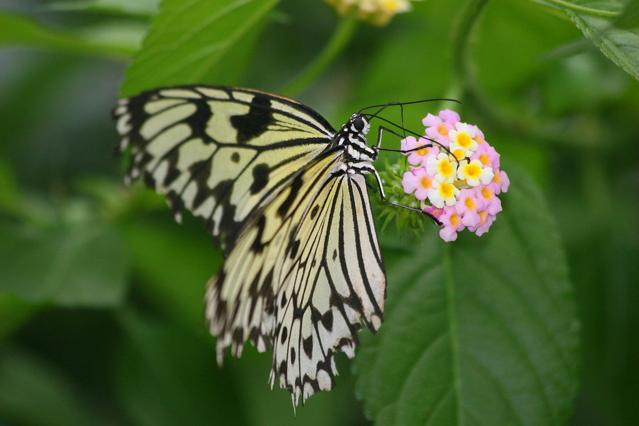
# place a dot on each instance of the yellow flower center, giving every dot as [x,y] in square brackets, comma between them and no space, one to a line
[485,159]
[486,193]
[422,152]
[446,190]
[472,170]
[470,203]
[445,168]
[442,129]
[464,140]
[497,177]
[455,220]
[458,153]
[483,216]
[425,182]
[390,5]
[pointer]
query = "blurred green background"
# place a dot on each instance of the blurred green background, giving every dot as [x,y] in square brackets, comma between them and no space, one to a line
[101,312]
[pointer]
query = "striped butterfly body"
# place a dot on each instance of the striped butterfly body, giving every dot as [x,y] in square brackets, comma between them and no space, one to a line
[284,195]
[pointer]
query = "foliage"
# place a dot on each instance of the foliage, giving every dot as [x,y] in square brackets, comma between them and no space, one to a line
[487,328]
[101,292]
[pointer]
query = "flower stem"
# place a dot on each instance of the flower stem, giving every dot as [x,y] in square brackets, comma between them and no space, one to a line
[579,8]
[340,38]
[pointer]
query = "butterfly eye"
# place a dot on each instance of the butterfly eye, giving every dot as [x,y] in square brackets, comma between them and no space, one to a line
[359,123]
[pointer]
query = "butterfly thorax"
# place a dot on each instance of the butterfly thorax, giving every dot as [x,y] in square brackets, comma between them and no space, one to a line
[358,156]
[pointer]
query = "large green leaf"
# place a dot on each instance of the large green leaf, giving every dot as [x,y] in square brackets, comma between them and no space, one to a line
[615,34]
[479,332]
[67,265]
[127,7]
[195,42]
[20,30]
[620,45]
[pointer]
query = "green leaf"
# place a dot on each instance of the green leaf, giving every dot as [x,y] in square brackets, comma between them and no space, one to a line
[35,393]
[126,34]
[192,43]
[126,7]
[481,331]
[19,30]
[620,45]
[67,265]
[167,375]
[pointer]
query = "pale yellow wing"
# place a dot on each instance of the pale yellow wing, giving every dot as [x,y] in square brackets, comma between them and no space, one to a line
[302,279]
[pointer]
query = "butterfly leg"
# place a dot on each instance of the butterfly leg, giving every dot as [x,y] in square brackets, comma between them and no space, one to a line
[380,135]
[385,200]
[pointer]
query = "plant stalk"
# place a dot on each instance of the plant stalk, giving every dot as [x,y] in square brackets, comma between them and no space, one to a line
[339,40]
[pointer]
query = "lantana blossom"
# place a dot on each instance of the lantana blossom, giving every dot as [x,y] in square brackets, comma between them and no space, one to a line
[487,155]
[462,140]
[451,225]
[376,12]
[467,206]
[417,182]
[474,172]
[443,194]
[500,182]
[458,179]
[417,155]
[439,126]
[442,167]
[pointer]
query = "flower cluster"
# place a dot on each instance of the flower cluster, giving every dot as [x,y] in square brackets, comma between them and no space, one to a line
[377,12]
[455,174]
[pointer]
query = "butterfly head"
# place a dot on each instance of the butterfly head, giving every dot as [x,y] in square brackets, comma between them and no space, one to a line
[358,124]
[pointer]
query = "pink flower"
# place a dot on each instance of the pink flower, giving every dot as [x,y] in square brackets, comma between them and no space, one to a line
[417,181]
[485,222]
[449,116]
[500,182]
[479,135]
[491,203]
[487,155]
[468,204]
[438,126]
[433,211]
[418,156]
[451,224]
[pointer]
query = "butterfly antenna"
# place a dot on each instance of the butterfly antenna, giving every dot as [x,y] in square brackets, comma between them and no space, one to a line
[421,101]
[401,109]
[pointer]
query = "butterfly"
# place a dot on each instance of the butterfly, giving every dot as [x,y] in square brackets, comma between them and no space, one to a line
[284,194]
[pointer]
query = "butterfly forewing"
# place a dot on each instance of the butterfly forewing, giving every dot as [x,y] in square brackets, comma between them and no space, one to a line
[303,279]
[218,152]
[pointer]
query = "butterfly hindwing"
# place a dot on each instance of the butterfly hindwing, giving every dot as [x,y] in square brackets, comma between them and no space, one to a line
[303,279]
[219,152]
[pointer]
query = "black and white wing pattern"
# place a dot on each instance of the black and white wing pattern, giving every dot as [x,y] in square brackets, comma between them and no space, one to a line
[219,152]
[302,279]
[286,198]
